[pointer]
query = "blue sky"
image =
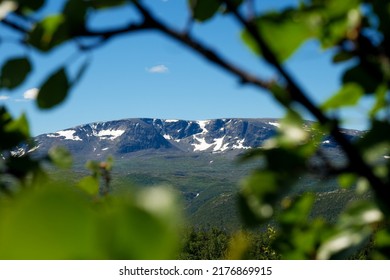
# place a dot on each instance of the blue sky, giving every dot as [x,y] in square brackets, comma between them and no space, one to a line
[148,75]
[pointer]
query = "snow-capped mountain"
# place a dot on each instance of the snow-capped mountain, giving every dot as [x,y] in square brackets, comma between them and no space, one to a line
[123,137]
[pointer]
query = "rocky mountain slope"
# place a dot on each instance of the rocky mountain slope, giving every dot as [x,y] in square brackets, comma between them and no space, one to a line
[124,137]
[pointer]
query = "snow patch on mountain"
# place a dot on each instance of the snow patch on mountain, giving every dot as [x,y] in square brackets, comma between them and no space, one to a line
[274,124]
[108,134]
[67,134]
[240,145]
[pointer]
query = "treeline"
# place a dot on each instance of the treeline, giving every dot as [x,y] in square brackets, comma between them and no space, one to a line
[216,244]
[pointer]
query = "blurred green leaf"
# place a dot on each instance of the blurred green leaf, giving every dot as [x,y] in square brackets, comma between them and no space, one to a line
[54,90]
[49,33]
[14,72]
[382,244]
[348,95]
[368,76]
[342,57]
[283,32]
[343,244]
[203,10]
[360,213]
[30,5]
[75,12]
[12,131]
[380,100]
[148,228]
[347,180]
[382,12]
[90,185]
[49,223]
[298,212]
[60,157]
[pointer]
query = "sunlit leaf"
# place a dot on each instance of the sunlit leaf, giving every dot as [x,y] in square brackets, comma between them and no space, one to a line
[283,32]
[343,244]
[14,72]
[380,100]
[54,90]
[298,212]
[146,229]
[49,223]
[348,95]
[49,33]
[347,180]
[89,184]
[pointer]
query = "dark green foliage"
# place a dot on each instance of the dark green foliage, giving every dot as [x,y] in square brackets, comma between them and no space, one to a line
[14,72]
[217,244]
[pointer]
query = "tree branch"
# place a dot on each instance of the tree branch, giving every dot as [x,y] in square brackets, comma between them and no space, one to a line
[14,26]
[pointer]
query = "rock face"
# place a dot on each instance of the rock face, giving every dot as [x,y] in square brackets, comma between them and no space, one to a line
[124,137]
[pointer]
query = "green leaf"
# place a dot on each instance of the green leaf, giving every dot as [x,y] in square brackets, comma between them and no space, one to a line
[380,100]
[12,131]
[203,10]
[14,72]
[348,95]
[369,76]
[54,90]
[89,184]
[283,32]
[147,228]
[347,180]
[75,12]
[342,57]
[343,244]
[60,157]
[49,222]
[49,33]
[298,212]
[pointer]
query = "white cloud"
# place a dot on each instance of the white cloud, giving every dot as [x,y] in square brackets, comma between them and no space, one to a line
[4,97]
[159,69]
[31,94]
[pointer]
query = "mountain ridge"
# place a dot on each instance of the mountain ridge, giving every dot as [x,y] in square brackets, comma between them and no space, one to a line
[123,137]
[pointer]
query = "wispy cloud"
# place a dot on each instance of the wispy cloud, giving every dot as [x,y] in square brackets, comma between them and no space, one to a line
[4,97]
[158,69]
[31,94]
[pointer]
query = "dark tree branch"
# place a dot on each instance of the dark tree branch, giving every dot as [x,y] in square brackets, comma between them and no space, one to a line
[10,24]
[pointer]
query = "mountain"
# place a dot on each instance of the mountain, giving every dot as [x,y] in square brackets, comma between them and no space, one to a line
[123,137]
[198,158]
